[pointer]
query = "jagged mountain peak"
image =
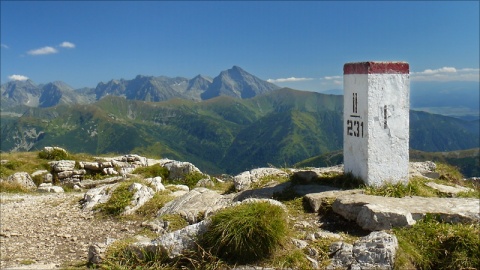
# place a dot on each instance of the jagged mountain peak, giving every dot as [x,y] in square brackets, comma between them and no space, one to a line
[236,82]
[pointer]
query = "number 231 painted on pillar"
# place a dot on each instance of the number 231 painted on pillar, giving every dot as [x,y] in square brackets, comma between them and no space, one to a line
[355,127]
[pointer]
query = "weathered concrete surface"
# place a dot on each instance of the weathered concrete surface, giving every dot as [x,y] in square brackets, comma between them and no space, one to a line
[381,213]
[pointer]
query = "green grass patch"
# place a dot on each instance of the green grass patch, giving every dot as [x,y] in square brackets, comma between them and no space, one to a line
[120,198]
[152,171]
[55,154]
[151,207]
[415,187]
[246,233]
[431,244]
[175,222]
[120,256]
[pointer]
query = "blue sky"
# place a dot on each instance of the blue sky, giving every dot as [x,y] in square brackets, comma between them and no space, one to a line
[302,45]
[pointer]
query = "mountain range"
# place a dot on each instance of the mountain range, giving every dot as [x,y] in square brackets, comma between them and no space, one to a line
[227,124]
[234,82]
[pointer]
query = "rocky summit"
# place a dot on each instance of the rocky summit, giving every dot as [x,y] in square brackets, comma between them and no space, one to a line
[356,229]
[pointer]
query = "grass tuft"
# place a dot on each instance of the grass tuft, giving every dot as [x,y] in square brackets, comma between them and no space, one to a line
[121,198]
[11,187]
[245,233]
[431,244]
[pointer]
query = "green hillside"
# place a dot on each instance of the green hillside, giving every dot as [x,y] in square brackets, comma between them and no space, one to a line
[223,134]
[467,161]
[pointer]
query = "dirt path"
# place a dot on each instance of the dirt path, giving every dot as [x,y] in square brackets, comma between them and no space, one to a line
[47,231]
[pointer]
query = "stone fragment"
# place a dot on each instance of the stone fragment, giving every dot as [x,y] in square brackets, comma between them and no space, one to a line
[198,202]
[175,243]
[141,194]
[178,169]
[382,213]
[449,190]
[62,165]
[48,187]
[315,199]
[23,179]
[374,251]
[156,182]
[97,195]
[243,180]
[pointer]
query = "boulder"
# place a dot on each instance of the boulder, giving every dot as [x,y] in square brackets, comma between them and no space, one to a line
[451,191]
[243,180]
[156,183]
[141,194]
[48,187]
[97,195]
[382,213]
[312,174]
[178,169]
[264,192]
[317,197]
[62,165]
[422,169]
[175,243]
[109,171]
[374,251]
[92,166]
[94,183]
[23,179]
[196,203]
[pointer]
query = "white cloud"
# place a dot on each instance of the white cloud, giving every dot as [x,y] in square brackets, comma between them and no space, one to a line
[447,74]
[42,51]
[332,77]
[17,77]
[5,46]
[67,44]
[291,79]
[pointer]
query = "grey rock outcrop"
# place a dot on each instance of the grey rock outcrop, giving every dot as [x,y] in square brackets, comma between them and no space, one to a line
[141,195]
[243,180]
[23,179]
[97,195]
[306,176]
[452,191]
[178,169]
[175,243]
[374,251]
[316,199]
[381,213]
[198,202]
[62,165]
[48,187]
[156,183]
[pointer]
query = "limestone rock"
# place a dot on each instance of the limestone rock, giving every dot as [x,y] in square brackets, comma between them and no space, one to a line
[109,171]
[39,172]
[449,190]
[175,243]
[382,213]
[374,251]
[141,194]
[197,202]
[265,192]
[178,169]
[94,183]
[243,180]
[23,179]
[315,199]
[312,174]
[96,252]
[48,187]
[62,165]
[97,195]
[423,169]
[156,182]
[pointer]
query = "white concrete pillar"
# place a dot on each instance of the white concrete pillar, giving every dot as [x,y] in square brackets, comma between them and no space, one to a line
[376,121]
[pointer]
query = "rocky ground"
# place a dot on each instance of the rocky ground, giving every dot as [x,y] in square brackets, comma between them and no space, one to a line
[49,230]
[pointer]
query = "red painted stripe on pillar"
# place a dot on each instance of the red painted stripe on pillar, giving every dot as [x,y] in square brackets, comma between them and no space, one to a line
[376,68]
